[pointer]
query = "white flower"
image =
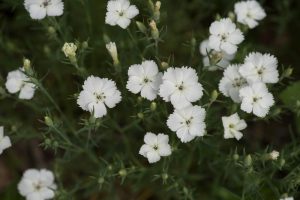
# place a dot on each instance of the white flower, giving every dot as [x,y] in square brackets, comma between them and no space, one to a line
[113,51]
[69,49]
[188,123]
[144,78]
[249,12]
[181,87]
[37,185]
[155,146]
[97,94]
[17,81]
[4,141]
[287,198]
[260,67]
[120,12]
[257,99]
[233,126]
[224,36]
[38,9]
[274,155]
[223,58]
[232,82]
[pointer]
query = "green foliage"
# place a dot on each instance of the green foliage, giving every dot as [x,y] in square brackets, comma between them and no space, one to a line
[98,158]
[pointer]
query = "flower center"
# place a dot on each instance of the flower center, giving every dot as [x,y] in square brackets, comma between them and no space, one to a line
[37,186]
[155,147]
[100,97]
[146,80]
[255,99]
[46,3]
[189,121]
[121,13]
[231,126]
[223,37]
[180,87]
[238,82]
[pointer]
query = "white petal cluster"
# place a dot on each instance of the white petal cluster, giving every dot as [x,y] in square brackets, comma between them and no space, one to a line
[97,94]
[224,36]
[155,147]
[232,82]
[260,67]
[224,58]
[233,126]
[69,49]
[39,9]
[274,155]
[249,13]
[287,198]
[4,140]
[18,81]
[257,99]
[145,79]
[37,185]
[120,12]
[188,123]
[181,87]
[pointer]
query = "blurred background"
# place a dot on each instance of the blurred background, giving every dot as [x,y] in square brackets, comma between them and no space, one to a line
[83,20]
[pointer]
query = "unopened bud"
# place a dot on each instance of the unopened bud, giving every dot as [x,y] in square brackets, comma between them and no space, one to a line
[248,160]
[85,45]
[231,15]
[140,115]
[214,95]
[164,65]
[69,50]
[288,72]
[165,176]
[27,66]
[140,99]
[141,27]
[154,30]
[236,156]
[156,13]
[48,121]
[101,180]
[153,106]
[112,50]
[282,162]
[51,30]
[122,172]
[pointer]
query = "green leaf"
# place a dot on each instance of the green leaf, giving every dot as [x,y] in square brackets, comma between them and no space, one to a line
[291,95]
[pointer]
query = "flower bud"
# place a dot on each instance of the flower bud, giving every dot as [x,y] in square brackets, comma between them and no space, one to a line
[288,72]
[215,57]
[236,156]
[231,15]
[85,45]
[154,30]
[164,176]
[101,180]
[122,172]
[48,121]
[140,115]
[141,27]
[273,155]
[164,65]
[112,50]
[69,50]
[27,66]
[156,13]
[248,160]
[153,106]
[51,30]
[214,95]
[282,162]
